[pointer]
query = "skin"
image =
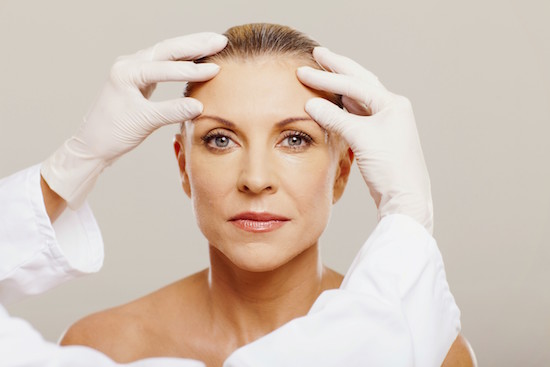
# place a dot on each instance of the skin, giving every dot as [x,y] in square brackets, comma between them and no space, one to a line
[54,203]
[246,152]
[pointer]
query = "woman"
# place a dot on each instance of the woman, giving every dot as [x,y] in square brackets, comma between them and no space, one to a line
[262,176]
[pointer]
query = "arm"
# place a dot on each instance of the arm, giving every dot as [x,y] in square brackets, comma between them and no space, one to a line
[21,345]
[123,116]
[32,260]
[43,243]
[54,203]
[394,307]
[36,254]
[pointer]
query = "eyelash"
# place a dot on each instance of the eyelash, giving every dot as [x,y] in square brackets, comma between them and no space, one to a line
[214,134]
[210,136]
[300,134]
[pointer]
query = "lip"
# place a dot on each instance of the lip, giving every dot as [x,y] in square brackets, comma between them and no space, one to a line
[258,222]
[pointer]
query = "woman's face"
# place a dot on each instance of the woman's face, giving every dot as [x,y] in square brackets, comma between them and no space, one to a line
[261,174]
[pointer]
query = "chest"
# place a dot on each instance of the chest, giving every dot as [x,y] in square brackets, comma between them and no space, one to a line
[209,345]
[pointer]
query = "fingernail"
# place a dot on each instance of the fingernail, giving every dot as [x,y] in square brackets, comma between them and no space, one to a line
[302,69]
[310,106]
[313,104]
[218,39]
[320,49]
[194,105]
[310,103]
[210,67]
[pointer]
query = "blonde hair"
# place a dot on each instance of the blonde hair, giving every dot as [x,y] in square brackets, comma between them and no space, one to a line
[249,41]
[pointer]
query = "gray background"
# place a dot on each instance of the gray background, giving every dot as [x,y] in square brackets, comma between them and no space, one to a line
[477,75]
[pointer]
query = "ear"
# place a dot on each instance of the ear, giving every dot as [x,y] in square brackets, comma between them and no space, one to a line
[179,149]
[342,174]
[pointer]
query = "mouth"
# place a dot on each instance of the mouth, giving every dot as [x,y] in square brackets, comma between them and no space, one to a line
[258,222]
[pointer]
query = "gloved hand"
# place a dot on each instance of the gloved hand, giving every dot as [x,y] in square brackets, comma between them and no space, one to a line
[122,117]
[380,128]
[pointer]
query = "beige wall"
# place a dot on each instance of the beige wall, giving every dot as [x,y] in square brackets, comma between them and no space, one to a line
[477,74]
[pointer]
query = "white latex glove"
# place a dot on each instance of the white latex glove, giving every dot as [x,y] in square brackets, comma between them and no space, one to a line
[122,117]
[380,128]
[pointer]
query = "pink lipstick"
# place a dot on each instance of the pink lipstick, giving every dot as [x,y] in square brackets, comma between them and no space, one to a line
[258,222]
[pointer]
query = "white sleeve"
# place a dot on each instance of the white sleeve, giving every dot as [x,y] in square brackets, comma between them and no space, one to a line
[394,308]
[22,346]
[35,255]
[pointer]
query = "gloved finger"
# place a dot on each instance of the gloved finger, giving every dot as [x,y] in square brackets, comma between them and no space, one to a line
[189,47]
[376,98]
[173,111]
[333,118]
[343,65]
[170,71]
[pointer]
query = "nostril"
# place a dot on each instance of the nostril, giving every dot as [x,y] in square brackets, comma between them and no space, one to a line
[248,189]
[257,177]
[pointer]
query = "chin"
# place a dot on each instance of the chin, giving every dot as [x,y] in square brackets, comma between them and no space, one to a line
[258,267]
[259,258]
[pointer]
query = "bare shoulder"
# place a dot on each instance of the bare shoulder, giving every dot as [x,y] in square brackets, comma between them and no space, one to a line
[105,330]
[139,329]
[461,354]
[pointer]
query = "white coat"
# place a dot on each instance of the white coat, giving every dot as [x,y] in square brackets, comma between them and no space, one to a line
[394,307]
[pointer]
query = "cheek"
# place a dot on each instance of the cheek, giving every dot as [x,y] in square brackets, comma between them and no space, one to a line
[211,182]
[209,175]
[309,180]
[311,193]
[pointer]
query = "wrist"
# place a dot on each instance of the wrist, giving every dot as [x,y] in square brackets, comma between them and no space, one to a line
[54,203]
[71,172]
[419,209]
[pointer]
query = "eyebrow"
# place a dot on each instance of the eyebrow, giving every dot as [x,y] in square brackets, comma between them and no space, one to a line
[232,125]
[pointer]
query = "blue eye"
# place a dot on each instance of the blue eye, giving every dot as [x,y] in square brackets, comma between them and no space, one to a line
[296,140]
[218,140]
[221,141]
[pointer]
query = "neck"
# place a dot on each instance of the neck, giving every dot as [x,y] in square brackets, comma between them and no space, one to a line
[252,304]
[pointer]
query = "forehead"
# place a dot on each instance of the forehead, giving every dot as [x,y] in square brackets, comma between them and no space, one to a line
[262,88]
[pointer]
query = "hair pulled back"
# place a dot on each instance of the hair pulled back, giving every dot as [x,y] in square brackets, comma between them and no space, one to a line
[250,41]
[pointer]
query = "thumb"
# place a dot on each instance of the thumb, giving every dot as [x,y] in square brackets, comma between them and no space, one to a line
[332,118]
[174,111]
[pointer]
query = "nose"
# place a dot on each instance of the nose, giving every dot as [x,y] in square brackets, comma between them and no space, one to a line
[258,173]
